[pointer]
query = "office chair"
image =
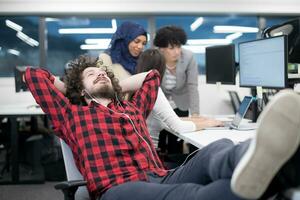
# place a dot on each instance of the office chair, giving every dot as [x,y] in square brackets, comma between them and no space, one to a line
[71,188]
[290,28]
[235,100]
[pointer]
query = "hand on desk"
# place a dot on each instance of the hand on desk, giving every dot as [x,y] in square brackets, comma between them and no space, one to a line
[203,122]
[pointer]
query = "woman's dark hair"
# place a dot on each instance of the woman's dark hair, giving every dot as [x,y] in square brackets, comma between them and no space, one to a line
[73,78]
[170,35]
[151,59]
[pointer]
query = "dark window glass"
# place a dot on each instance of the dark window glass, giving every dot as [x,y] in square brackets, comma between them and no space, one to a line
[63,47]
[19,44]
[207,31]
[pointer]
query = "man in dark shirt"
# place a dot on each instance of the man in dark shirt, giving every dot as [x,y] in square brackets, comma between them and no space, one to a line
[112,148]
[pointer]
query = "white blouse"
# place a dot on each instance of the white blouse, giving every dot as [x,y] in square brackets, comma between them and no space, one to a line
[163,117]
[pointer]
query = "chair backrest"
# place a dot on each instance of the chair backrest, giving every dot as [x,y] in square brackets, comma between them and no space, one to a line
[70,166]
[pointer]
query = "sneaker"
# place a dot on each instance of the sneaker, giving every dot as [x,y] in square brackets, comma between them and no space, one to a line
[277,139]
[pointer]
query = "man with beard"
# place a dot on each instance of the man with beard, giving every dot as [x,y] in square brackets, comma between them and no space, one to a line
[113,150]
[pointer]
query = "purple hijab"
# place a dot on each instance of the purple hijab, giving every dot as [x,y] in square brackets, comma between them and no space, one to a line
[118,48]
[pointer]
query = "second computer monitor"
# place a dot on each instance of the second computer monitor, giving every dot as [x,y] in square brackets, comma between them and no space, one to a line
[263,63]
[220,64]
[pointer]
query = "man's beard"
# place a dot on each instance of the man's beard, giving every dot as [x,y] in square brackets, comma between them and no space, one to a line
[104,92]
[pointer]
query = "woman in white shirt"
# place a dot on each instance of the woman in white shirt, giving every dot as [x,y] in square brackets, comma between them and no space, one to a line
[162,115]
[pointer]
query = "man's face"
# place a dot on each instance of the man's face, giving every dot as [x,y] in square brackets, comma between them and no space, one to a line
[171,53]
[96,83]
[136,46]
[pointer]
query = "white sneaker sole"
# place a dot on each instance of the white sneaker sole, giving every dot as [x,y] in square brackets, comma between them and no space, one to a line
[277,139]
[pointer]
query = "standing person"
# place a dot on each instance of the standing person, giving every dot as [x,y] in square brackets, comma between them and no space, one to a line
[127,43]
[163,116]
[113,150]
[180,82]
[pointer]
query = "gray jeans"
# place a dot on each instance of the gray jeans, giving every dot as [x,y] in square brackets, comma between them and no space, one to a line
[206,177]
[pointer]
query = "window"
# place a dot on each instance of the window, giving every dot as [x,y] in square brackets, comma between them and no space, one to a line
[19,43]
[73,36]
[204,31]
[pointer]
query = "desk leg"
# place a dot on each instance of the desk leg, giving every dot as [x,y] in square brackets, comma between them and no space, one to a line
[14,149]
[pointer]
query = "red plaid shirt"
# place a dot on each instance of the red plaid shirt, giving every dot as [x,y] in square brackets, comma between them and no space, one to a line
[106,148]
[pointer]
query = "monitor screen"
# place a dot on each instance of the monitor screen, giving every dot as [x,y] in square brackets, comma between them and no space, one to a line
[220,64]
[263,63]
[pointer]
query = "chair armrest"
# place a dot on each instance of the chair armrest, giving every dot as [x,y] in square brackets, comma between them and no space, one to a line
[69,184]
[69,188]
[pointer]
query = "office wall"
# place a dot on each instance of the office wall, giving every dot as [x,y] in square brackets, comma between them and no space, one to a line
[109,7]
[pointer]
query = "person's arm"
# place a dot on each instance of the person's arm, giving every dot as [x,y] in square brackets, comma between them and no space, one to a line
[60,85]
[203,122]
[145,97]
[41,84]
[134,82]
[166,115]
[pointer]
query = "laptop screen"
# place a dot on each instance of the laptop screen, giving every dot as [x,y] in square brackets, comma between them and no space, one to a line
[242,111]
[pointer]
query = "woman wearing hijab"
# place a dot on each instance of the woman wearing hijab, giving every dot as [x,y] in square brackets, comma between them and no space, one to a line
[126,45]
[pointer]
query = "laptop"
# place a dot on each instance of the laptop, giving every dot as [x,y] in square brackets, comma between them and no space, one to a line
[240,114]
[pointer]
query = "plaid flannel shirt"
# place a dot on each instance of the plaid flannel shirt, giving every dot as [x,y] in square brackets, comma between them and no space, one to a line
[106,148]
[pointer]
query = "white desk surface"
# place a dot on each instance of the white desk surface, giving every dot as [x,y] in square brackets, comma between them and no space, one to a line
[20,109]
[205,137]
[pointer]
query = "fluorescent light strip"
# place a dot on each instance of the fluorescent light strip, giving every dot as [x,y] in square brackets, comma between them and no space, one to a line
[13,25]
[90,30]
[198,22]
[14,52]
[25,38]
[93,46]
[208,41]
[98,41]
[234,29]
[51,19]
[114,24]
[85,30]
[195,49]
[234,36]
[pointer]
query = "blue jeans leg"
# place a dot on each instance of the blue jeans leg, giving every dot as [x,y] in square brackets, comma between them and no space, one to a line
[154,191]
[213,162]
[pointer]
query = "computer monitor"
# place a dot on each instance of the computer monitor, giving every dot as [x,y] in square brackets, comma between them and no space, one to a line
[220,64]
[19,83]
[263,63]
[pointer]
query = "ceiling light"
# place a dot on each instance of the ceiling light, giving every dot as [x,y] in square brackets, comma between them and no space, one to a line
[98,41]
[51,19]
[93,46]
[233,29]
[234,36]
[90,30]
[208,41]
[14,52]
[198,22]
[196,48]
[28,40]
[13,25]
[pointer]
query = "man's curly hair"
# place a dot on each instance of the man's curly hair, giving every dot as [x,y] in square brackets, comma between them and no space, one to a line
[74,83]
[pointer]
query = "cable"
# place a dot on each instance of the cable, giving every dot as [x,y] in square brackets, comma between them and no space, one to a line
[136,131]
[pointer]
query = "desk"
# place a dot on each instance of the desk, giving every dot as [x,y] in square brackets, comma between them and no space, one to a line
[13,112]
[205,137]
